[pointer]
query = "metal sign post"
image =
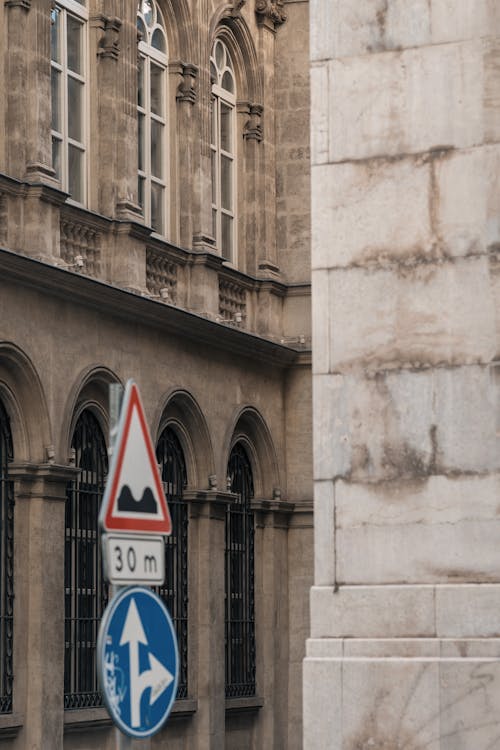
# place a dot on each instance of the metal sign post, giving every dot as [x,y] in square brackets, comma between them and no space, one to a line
[137,654]
[115,401]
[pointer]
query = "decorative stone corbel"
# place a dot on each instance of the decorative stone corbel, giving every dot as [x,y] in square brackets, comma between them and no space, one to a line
[237,6]
[108,44]
[24,4]
[252,130]
[186,91]
[270,11]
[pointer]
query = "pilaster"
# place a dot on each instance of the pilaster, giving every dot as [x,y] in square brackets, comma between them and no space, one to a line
[40,494]
[208,513]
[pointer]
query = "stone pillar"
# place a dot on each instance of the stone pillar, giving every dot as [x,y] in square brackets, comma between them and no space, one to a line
[207,536]
[40,494]
[185,100]
[406,228]
[271,621]
[271,15]
[28,74]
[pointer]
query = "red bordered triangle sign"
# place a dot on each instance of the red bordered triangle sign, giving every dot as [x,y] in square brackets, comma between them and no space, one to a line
[134,500]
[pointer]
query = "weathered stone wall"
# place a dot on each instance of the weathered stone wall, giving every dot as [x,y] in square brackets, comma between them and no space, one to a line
[404,648]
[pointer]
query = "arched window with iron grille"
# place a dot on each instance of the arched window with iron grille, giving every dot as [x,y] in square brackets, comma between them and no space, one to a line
[239,579]
[85,593]
[174,591]
[6,563]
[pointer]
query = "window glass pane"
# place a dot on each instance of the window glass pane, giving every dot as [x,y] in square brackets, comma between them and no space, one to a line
[56,157]
[156,89]
[214,223]
[226,141]
[140,83]
[141,141]
[75,173]
[157,207]
[227,236]
[141,29]
[219,55]
[228,82]
[75,96]
[226,182]
[213,72]
[56,100]
[140,190]
[74,36]
[213,121]
[55,44]
[214,177]
[147,11]
[156,149]
[158,40]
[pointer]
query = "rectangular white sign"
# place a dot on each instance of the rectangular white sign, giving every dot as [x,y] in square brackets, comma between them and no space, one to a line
[132,559]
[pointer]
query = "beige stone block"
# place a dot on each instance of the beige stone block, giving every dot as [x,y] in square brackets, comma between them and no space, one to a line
[406,102]
[331,448]
[482,648]
[466,200]
[468,610]
[324,534]
[372,612]
[418,532]
[390,704]
[320,314]
[348,202]
[429,314]
[322,702]
[469,700]
[455,20]
[327,648]
[342,28]
[382,648]
[319,114]
[492,86]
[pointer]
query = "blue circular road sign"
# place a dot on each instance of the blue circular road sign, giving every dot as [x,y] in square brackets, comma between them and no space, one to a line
[137,661]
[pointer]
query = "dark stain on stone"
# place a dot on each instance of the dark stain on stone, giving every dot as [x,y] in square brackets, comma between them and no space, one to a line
[403,461]
[463,575]
[360,458]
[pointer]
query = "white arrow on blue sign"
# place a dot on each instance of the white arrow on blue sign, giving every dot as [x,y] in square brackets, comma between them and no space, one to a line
[138,661]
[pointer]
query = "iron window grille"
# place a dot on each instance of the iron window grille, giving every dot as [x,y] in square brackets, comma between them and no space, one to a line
[6,564]
[85,592]
[240,580]
[174,591]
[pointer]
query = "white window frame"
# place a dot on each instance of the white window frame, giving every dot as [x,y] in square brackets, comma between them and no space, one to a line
[222,96]
[148,55]
[79,11]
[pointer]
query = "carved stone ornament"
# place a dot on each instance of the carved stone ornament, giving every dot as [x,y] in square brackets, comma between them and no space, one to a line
[253,127]
[24,4]
[271,10]
[237,6]
[108,45]
[186,91]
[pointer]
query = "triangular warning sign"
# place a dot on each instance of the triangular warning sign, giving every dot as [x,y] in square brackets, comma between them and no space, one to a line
[134,500]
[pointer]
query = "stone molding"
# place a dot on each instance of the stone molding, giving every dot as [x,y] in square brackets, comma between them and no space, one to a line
[252,130]
[209,503]
[108,44]
[186,91]
[270,12]
[47,481]
[24,4]
[273,514]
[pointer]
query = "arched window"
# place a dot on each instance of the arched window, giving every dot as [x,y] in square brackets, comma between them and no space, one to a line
[152,115]
[223,148]
[69,110]
[174,591]
[6,563]
[239,579]
[85,593]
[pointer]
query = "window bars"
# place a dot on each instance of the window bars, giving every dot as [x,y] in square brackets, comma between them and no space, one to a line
[240,585]
[85,592]
[174,591]
[6,564]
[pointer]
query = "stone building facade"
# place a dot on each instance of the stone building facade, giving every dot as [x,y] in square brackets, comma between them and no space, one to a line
[404,648]
[154,224]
